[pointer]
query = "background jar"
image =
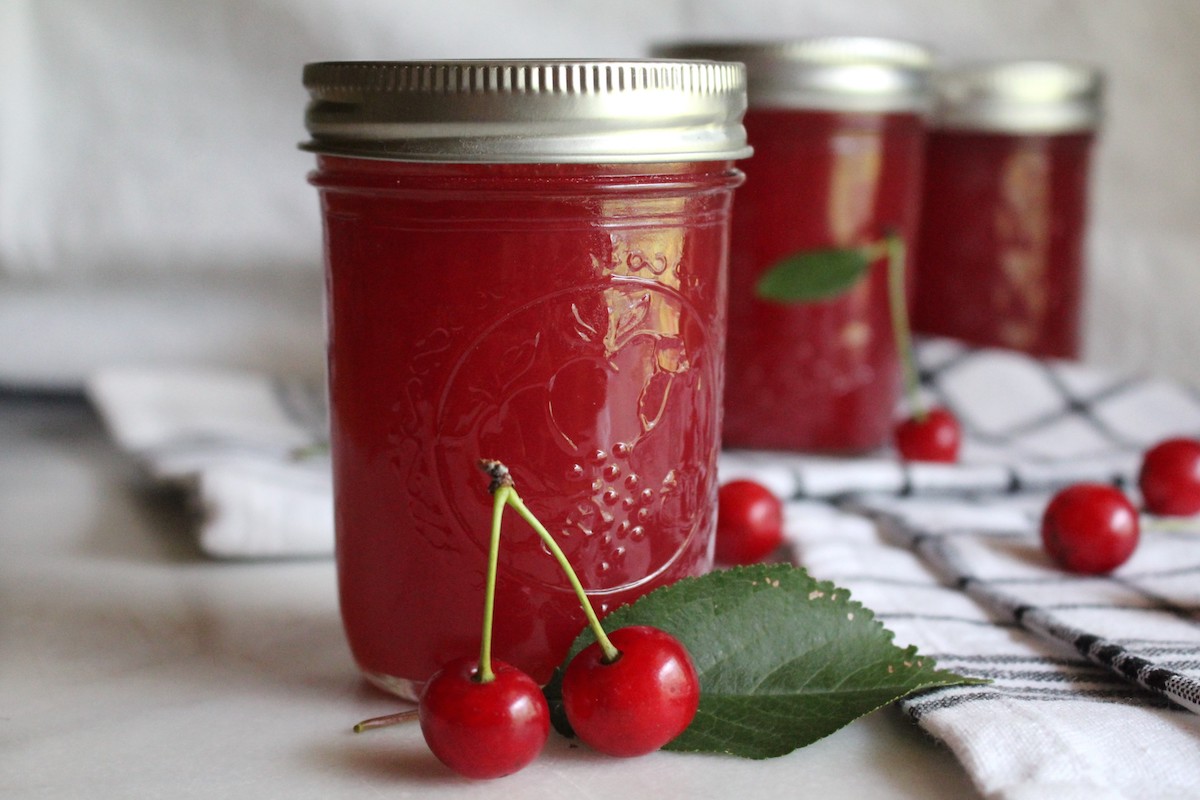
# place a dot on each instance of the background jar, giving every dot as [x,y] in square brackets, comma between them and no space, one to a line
[526,262]
[1001,250]
[838,130]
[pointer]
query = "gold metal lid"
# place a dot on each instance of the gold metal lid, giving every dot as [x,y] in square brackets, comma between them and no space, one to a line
[837,73]
[593,111]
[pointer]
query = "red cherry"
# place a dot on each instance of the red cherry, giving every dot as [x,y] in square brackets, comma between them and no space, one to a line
[1090,528]
[749,522]
[483,730]
[935,437]
[1170,478]
[639,702]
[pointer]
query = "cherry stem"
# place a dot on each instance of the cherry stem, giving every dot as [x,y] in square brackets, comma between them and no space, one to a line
[901,329]
[386,720]
[504,492]
[611,653]
[500,497]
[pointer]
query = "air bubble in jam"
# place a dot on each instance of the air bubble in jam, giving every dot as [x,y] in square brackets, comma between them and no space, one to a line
[620,450]
[599,457]
[610,497]
[637,533]
[575,473]
[632,481]
[612,472]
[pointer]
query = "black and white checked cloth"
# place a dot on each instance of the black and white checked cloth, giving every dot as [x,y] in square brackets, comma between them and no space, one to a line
[1094,680]
[1090,676]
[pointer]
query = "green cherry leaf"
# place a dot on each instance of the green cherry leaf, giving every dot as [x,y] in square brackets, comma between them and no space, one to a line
[813,275]
[783,659]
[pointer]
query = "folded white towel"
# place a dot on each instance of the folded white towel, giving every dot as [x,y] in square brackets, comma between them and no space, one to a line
[250,448]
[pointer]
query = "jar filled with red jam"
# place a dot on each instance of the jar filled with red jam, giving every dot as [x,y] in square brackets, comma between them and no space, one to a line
[1005,207]
[526,261]
[838,133]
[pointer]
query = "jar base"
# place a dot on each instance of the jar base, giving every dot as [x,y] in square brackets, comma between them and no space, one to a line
[403,688]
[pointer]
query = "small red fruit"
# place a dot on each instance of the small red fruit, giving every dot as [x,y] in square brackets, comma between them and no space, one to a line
[483,730]
[1170,478]
[1090,528]
[934,437]
[639,702]
[749,522]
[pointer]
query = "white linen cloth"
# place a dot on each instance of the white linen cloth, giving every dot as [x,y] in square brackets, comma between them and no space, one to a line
[925,546]
[248,448]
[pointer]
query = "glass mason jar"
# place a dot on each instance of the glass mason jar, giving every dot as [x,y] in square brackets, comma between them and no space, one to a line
[838,133]
[1005,207]
[526,261]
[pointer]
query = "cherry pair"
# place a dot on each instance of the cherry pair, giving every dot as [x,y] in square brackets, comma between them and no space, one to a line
[624,695]
[627,707]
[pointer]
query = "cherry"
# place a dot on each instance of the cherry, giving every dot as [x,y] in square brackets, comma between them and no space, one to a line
[749,522]
[483,729]
[1090,528]
[636,703]
[933,436]
[1170,478]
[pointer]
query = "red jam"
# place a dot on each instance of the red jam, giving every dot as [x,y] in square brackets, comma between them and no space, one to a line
[564,319]
[822,376]
[1002,237]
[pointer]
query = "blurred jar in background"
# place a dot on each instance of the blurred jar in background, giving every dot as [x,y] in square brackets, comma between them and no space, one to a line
[1000,255]
[838,132]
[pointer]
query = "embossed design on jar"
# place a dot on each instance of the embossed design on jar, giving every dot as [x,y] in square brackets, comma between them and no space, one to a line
[611,403]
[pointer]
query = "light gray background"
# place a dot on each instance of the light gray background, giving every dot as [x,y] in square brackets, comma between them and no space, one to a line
[153,206]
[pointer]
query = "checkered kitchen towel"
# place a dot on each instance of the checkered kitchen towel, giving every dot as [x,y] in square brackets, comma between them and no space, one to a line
[1027,425]
[1095,687]
[964,579]
[947,555]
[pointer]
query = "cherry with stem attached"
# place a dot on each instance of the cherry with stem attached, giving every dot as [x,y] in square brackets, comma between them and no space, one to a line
[485,718]
[481,717]
[928,434]
[624,695]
